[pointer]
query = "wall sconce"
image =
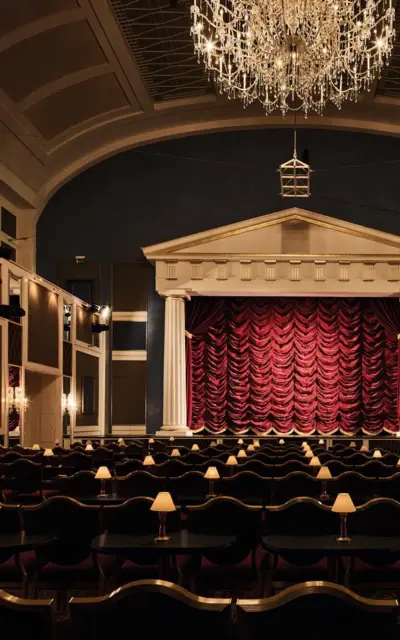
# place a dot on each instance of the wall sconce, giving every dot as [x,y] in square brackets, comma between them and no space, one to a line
[68,403]
[17,402]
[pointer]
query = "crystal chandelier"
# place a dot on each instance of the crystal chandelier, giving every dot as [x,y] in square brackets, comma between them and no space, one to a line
[293,54]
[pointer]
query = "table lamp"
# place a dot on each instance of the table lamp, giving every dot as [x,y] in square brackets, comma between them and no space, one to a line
[102,474]
[240,441]
[163,504]
[231,462]
[213,444]
[121,441]
[36,447]
[175,453]
[343,505]
[242,454]
[148,461]
[251,447]
[172,439]
[304,444]
[321,441]
[256,444]
[364,448]
[195,447]
[151,440]
[211,474]
[281,441]
[48,452]
[324,474]
[89,447]
[309,453]
[353,444]
[315,462]
[377,454]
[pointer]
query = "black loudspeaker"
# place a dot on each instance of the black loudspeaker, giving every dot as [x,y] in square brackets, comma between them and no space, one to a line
[11,311]
[99,328]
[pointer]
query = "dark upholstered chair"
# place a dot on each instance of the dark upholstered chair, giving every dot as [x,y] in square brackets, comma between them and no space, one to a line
[230,568]
[299,457]
[10,572]
[171,468]
[315,610]
[76,460]
[134,451]
[256,466]
[81,484]
[102,457]
[294,485]
[123,468]
[247,486]
[24,479]
[336,467]
[20,618]
[160,609]
[193,458]
[188,488]
[356,459]
[139,483]
[289,466]
[223,470]
[389,487]
[374,469]
[360,487]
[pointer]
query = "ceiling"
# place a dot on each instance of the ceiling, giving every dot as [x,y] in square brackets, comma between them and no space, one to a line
[84,79]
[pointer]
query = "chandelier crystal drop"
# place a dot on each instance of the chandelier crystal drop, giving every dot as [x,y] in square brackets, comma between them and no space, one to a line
[293,54]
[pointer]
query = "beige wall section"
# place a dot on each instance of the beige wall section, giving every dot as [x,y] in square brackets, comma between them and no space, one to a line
[42,417]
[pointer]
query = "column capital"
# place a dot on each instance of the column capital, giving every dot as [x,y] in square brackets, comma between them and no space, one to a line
[176,293]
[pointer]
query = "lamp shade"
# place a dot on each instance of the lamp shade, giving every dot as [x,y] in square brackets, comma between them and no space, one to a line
[120,441]
[231,461]
[324,474]
[398,463]
[175,453]
[48,453]
[377,454]
[242,454]
[251,447]
[151,440]
[309,454]
[195,447]
[353,444]
[343,504]
[398,434]
[148,461]
[212,473]
[364,448]
[240,441]
[321,441]
[88,447]
[213,444]
[163,502]
[303,444]
[171,439]
[281,441]
[314,462]
[256,443]
[103,473]
[36,447]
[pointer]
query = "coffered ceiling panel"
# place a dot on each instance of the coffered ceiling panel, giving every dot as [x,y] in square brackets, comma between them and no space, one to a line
[76,104]
[48,56]
[16,13]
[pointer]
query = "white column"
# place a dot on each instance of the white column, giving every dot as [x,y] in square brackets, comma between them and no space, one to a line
[174,401]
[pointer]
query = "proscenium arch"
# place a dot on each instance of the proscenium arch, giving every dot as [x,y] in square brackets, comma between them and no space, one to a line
[174,126]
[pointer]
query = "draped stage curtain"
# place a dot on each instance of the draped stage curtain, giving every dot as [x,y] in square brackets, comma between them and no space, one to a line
[293,365]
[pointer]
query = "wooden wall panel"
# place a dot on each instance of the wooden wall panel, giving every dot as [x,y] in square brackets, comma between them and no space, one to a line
[42,325]
[86,366]
[128,392]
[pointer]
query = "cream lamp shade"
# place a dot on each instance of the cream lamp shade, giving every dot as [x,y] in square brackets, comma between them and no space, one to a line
[314,462]
[364,448]
[88,447]
[231,461]
[48,453]
[256,443]
[251,447]
[213,444]
[398,434]
[343,504]
[242,454]
[35,447]
[175,453]
[151,440]
[304,444]
[120,440]
[309,454]
[324,474]
[195,447]
[353,444]
[321,441]
[103,473]
[148,461]
[240,441]
[398,463]
[171,439]
[377,454]
[281,441]
[163,502]
[212,473]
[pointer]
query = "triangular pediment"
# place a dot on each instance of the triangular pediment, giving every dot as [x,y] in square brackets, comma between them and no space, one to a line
[290,232]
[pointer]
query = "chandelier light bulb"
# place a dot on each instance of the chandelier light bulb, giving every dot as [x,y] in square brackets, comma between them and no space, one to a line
[293,55]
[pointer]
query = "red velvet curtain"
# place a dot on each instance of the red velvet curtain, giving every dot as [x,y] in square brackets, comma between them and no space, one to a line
[291,364]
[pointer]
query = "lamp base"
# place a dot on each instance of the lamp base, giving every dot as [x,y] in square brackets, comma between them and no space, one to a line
[344,539]
[211,495]
[162,539]
[324,496]
[102,495]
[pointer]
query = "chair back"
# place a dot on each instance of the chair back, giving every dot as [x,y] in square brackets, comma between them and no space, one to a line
[377,517]
[361,488]
[81,484]
[247,486]
[293,485]
[374,469]
[290,466]
[139,483]
[160,608]
[301,516]
[134,464]
[20,618]
[336,467]
[132,517]
[25,476]
[171,468]
[76,460]
[134,451]
[189,487]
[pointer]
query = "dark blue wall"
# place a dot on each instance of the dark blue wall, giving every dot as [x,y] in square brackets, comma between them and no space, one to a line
[176,188]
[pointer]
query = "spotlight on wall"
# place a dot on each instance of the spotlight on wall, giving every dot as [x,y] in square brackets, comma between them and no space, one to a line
[9,311]
[94,308]
[99,328]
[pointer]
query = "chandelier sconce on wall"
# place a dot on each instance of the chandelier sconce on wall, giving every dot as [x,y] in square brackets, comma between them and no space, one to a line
[17,402]
[293,55]
[68,404]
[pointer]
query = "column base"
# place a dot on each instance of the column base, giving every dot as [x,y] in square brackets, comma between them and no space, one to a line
[170,430]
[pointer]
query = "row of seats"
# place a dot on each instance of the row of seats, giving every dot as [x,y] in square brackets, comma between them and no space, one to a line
[306,611]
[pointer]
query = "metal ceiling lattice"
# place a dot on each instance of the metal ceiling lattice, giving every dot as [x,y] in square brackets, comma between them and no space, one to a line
[159,38]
